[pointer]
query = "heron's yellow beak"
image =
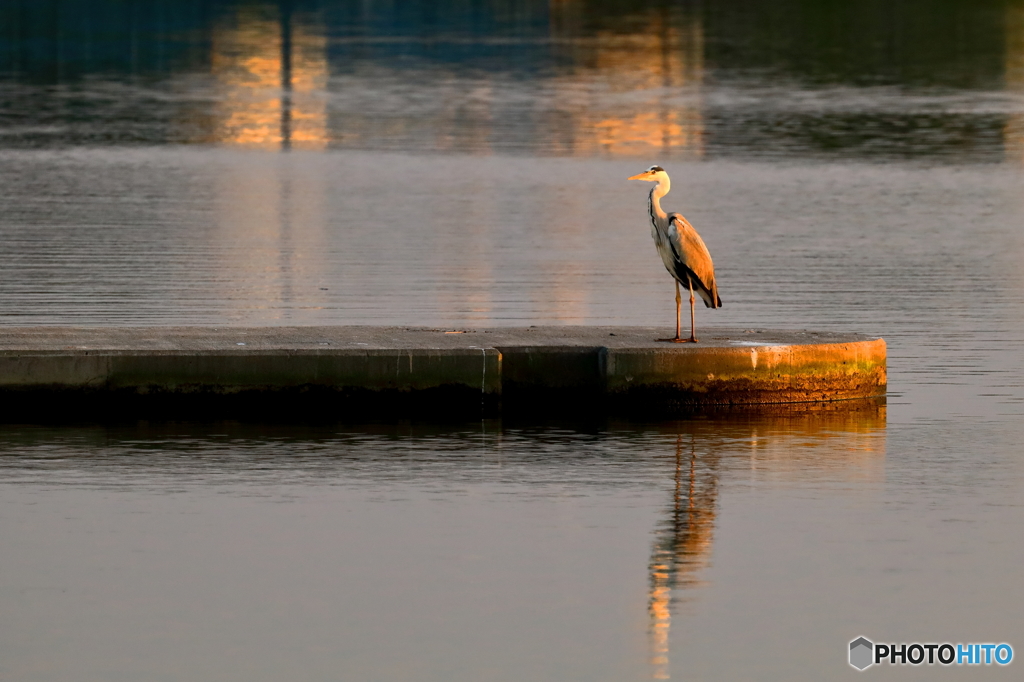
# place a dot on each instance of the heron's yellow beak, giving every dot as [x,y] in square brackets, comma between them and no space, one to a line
[641,176]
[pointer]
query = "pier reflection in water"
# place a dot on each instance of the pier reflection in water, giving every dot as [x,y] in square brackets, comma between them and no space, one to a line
[515,550]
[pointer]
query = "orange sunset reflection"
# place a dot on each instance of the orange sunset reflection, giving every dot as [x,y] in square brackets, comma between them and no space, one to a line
[652,77]
[271,73]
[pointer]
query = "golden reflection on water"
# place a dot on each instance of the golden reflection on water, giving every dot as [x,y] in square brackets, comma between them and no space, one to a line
[1013,132]
[635,93]
[654,77]
[272,76]
[271,72]
[470,287]
[683,547]
[565,298]
[619,93]
[844,440]
[270,220]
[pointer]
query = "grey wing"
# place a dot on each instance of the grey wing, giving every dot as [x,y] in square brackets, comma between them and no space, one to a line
[693,261]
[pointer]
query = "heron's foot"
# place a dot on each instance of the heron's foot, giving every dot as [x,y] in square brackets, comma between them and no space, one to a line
[678,340]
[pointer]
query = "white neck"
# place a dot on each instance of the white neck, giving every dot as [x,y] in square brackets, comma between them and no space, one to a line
[660,190]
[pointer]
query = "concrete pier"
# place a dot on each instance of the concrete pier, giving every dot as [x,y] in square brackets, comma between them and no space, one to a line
[390,368]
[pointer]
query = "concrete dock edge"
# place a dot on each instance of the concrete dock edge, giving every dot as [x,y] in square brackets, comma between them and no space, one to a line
[383,368]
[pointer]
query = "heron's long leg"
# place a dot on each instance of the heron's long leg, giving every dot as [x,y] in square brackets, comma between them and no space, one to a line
[693,326]
[679,314]
[679,305]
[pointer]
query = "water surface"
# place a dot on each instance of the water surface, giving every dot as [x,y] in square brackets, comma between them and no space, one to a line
[851,166]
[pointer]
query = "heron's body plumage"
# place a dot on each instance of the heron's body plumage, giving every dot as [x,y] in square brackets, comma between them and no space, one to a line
[683,251]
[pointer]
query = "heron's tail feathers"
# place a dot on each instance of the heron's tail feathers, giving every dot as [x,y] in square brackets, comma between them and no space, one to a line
[711,298]
[716,304]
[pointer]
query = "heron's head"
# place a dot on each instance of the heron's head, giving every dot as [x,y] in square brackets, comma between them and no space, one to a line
[652,174]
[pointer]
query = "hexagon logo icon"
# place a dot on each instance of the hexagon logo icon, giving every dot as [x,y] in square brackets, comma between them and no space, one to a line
[862,652]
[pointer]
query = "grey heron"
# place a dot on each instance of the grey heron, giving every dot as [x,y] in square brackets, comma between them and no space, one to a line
[681,250]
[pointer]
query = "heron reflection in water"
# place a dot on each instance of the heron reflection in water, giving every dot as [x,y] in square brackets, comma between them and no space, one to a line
[683,546]
[682,251]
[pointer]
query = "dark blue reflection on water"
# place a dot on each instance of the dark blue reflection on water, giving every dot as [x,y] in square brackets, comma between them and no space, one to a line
[864,79]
